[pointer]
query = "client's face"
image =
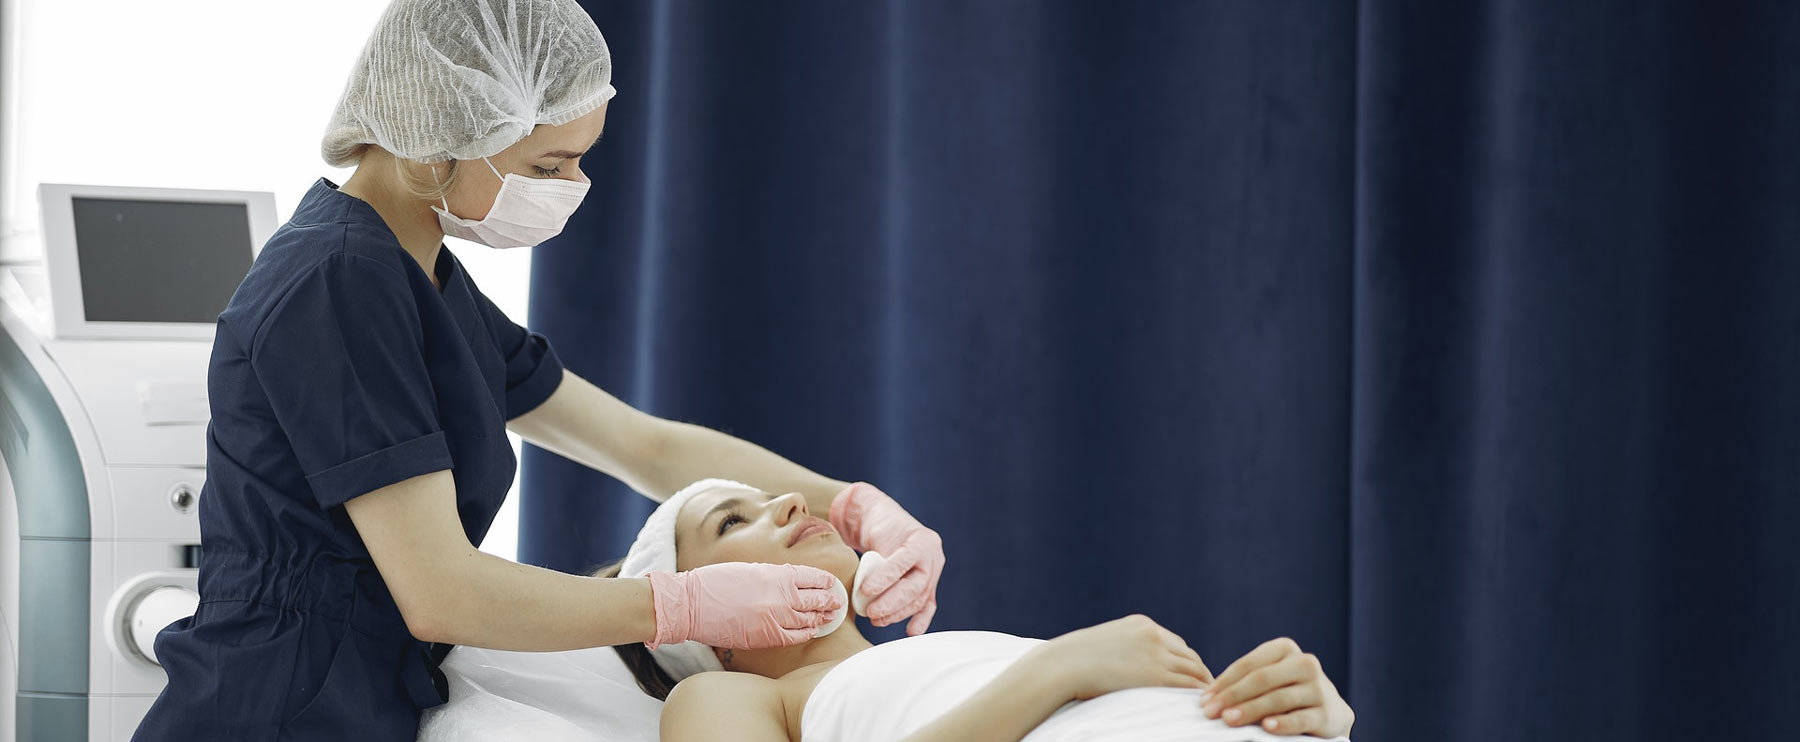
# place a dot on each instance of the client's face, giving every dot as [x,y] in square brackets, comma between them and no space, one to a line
[734,525]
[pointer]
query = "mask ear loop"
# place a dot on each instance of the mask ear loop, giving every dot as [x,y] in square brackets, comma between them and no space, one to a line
[435,181]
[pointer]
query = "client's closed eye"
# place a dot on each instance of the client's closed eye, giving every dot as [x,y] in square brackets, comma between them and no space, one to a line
[731,516]
[729,519]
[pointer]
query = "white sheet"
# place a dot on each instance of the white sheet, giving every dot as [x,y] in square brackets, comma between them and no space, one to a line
[584,695]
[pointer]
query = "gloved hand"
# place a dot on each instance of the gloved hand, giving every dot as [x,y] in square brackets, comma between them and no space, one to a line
[741,605]
[869,520]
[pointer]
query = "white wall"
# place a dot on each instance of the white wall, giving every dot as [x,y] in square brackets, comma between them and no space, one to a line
[195,94]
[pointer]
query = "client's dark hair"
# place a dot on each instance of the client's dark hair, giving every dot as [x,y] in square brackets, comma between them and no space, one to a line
[637,657]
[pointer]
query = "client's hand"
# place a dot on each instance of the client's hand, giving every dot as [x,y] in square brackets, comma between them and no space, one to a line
[1283,688]
[1129,652]
[740,605]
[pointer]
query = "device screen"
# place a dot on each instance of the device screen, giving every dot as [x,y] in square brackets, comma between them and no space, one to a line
[159,261]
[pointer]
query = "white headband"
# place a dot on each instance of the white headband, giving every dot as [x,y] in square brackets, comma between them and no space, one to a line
[654,551]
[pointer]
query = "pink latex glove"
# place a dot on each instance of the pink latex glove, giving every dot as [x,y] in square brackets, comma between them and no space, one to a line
[741,605]
[869,520]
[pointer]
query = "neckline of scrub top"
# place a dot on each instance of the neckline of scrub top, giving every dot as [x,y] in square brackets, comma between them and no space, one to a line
[446,265]
[446,268]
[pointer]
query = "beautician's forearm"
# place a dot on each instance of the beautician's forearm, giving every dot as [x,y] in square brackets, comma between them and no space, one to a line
[583,423]
[500,604]
[654,456]
[693,452]
[1005,710]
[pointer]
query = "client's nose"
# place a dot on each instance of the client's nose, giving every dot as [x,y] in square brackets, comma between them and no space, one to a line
[788,507]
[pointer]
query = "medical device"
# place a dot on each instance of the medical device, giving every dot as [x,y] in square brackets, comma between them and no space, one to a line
[103,423]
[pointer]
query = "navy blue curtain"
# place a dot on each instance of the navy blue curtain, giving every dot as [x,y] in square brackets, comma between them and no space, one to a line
[1457,341]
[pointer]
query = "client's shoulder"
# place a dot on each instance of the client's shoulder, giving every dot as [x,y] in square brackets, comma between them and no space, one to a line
[707,688]
[725,705]
[701,685]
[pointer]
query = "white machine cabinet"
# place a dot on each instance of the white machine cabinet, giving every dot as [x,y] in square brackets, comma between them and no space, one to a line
[103,424]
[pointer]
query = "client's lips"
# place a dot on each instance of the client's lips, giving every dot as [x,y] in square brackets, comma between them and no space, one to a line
[808,527]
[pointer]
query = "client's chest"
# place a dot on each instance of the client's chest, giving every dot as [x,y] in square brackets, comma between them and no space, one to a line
[795,688]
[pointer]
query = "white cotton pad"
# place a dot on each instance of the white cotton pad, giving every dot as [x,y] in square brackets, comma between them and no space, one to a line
[870,560]
[837,619]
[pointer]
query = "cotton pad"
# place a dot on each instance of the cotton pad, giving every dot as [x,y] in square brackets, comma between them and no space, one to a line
[837,619]
[870,561]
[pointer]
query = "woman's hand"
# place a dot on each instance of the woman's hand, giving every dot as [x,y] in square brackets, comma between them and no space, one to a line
[906,585]
[741,605]
[1129,652]
[1283,688]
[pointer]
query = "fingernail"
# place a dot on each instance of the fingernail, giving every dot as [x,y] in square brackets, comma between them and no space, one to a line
[1233,714]
[1269,724]
[1211,708]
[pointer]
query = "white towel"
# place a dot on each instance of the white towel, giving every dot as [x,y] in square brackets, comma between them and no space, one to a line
[894,689]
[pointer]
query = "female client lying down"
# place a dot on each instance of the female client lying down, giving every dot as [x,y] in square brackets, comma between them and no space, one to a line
[1127,679]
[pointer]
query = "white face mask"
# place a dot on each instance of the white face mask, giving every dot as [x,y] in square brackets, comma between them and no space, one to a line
[526,212]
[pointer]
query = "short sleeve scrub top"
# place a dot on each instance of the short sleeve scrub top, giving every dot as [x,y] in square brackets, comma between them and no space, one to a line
[337,369]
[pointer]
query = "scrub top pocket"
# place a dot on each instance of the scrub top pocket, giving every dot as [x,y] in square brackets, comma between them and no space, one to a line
[317,685]
[361,696]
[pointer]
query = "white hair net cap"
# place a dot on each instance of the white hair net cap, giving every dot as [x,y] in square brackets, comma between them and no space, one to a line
[464,79]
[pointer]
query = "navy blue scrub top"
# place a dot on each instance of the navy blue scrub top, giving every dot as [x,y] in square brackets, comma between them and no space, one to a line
[337,369]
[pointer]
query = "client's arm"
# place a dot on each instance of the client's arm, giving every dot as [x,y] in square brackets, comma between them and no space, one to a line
[1007,708]
[713,706]
[1130,652]
[742,707]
